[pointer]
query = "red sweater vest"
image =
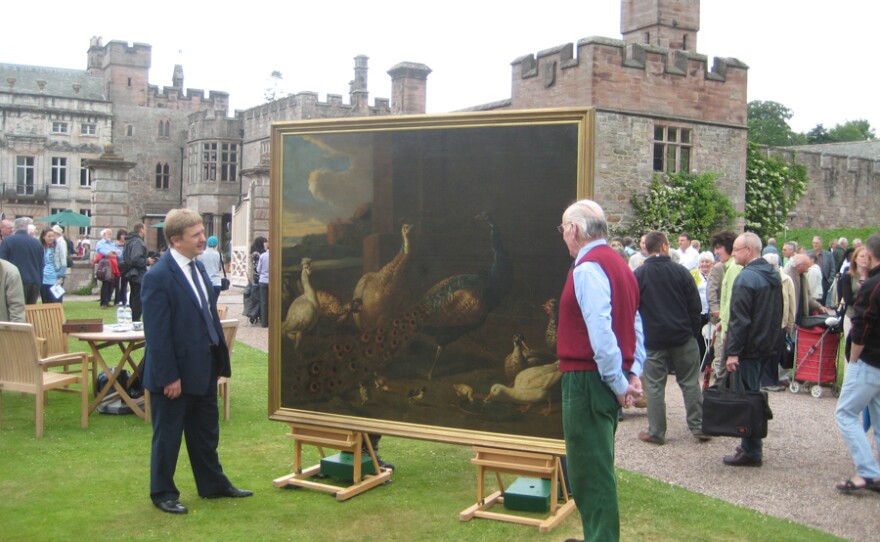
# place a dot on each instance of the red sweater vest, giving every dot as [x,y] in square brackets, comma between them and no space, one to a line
[573,341]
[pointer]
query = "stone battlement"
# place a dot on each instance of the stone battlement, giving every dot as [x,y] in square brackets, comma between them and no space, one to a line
[305,105]
[641,78]
[841,188]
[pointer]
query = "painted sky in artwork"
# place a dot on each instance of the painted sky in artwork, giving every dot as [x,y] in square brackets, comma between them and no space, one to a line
[325,178]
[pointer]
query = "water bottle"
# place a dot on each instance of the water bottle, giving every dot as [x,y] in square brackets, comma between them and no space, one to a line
[127,315]
[120,315]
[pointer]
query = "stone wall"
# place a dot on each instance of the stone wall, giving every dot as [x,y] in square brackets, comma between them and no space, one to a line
[841,190]
[624,159]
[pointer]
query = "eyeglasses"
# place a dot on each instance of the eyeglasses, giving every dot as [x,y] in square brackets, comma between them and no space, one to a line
[738,248]
[561,228]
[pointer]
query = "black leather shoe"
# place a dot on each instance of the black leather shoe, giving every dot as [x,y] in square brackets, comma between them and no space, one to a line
[740,459]
[231,492]
[384,464]
[172,506]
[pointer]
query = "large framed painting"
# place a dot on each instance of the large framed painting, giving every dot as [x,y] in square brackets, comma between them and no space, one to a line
[415,265]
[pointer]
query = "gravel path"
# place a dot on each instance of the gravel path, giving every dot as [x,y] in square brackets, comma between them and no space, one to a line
[804,457]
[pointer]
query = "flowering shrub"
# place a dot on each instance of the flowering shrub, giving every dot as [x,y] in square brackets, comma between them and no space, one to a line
[773,188]
[680,202]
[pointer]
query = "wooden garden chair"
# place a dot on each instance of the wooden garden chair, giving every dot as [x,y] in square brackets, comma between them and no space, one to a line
[230,328]
[22,369]
[48,321]
[222,311]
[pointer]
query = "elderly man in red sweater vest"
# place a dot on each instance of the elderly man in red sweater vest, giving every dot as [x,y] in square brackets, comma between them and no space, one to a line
[601,353]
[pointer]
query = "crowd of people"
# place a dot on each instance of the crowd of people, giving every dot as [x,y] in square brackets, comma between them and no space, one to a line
[631,316]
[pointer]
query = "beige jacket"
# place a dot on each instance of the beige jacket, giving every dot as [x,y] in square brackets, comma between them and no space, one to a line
[789,302]
[11,294]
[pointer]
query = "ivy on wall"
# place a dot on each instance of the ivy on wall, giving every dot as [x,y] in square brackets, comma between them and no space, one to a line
[773,188]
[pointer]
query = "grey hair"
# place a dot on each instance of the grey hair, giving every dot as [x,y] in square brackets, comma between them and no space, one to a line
[707,256]
[772,259]
[589,218]
[22,223]
[873,245]
[752,241]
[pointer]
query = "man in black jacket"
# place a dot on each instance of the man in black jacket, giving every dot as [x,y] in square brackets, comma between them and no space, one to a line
[753,331]
[670,307]
[135,257]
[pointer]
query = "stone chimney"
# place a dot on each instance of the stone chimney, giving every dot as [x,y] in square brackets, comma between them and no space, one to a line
[409,88]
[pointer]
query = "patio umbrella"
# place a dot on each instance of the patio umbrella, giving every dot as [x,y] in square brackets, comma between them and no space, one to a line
[67,218]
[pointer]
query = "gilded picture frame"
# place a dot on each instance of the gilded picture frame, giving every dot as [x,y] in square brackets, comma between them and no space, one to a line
[418,258]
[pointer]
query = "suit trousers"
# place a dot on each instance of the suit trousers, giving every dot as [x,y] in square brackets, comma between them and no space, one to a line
[589,421]
[197,419]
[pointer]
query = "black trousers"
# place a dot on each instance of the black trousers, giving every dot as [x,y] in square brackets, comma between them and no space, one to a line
[134,300]
[106,292]
[31,293]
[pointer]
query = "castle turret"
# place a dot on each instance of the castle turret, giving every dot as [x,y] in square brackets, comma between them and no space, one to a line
[177,77]
[96,56]
[665,23]
[359,94]
[409,84]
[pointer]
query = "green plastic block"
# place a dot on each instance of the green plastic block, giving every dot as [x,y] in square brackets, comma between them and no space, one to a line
[528,495]
[341,465]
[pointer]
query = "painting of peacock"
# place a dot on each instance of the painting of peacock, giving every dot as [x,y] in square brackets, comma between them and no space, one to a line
[460,304]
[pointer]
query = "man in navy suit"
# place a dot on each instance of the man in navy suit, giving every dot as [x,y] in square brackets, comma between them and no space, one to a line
[185,354]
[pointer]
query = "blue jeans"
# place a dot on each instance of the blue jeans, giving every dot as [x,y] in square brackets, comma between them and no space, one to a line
[861,388]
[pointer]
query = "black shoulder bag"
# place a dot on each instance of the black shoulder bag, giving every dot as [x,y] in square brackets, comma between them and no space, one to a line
[731,412]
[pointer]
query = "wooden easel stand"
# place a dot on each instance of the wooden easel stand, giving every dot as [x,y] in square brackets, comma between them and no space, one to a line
[523,464]
[337,439]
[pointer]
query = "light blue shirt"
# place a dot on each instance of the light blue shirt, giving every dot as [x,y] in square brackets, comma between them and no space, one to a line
[593,291]
[104,247]
[263,268]
[50,272]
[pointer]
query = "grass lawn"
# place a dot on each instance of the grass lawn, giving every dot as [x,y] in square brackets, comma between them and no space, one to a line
[93,484]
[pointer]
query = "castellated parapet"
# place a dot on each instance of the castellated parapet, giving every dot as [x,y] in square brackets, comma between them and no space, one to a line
[841,189]
[635,78]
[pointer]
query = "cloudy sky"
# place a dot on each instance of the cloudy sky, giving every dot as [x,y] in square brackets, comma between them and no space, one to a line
[817,58]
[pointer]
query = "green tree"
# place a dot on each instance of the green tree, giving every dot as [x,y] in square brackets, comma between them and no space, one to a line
[274,91]
[817,135]
[773,188]
[851,130]
[768,125]
[682,202]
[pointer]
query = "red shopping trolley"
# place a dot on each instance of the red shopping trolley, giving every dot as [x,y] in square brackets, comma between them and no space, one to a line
[815,362]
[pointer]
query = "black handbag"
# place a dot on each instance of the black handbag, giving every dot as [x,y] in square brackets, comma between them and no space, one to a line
[224,282]
[730,412]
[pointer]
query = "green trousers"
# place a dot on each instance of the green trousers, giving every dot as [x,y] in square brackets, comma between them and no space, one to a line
[589,420]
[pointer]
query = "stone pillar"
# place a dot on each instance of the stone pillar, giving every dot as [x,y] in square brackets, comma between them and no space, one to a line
[110,196]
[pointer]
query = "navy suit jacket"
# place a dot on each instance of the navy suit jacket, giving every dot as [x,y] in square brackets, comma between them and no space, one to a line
[178,345]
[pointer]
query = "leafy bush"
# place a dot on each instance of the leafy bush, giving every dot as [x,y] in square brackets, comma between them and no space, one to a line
[680,202]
